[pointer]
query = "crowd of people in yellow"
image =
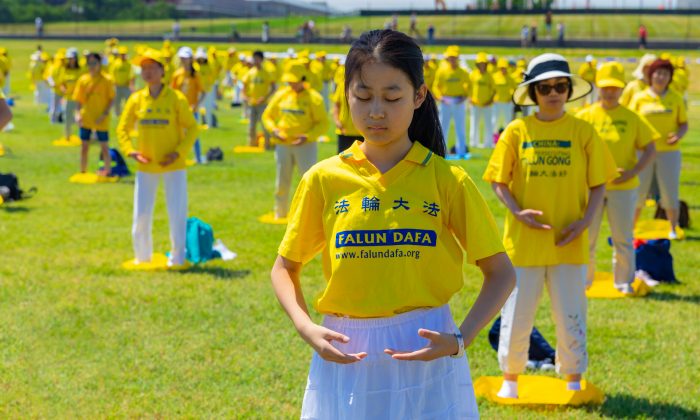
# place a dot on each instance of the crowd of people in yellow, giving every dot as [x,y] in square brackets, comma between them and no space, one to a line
[556,170]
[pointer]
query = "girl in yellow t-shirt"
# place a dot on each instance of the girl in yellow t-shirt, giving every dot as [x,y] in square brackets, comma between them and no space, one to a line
[387,215]
[67,78]
[665,110]
[550,171]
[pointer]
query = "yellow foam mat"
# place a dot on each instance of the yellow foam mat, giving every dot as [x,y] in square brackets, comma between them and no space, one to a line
[538,390]
[90,178]
[2,150]
[190,162]
[324,139]
[159,262]
[69,142]
[270,219]
[248,149]
[655,229]
[603,287]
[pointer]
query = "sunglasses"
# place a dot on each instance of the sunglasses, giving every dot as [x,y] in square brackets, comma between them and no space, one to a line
[93,63]
[544,90]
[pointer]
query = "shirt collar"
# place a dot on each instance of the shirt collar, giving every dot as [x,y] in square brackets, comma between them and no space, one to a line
[417,154]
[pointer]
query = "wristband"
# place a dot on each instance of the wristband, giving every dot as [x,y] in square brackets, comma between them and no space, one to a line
[460,343]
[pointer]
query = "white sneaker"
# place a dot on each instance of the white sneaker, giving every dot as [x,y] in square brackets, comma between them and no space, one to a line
[532,365]
[672,235]
[625,288]
[547,365]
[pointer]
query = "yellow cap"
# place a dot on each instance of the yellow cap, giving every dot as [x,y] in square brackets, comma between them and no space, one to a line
[320,54]
[3,50]
[610,74]
[294,73]
[44,57]
[680,62]
[482,58]
[149,54]
[521,63]
[123,50]
[452,51]
[502,63]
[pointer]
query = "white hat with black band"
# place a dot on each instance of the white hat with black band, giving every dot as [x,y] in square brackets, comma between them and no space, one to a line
[549,66]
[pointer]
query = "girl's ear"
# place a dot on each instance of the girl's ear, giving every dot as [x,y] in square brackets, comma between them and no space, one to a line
[421,93]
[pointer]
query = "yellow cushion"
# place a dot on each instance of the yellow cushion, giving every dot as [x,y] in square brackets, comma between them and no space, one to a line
[603,287]
[248,149]
[2,150]
[90,178]
[324,139]
[70,142]
[539,390]
[655,229]
[159,262]
[270,219]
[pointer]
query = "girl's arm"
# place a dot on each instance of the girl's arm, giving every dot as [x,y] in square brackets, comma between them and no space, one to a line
[499,280]
[285,282]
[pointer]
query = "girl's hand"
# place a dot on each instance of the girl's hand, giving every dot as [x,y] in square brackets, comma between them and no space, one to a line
[624,176]
[139,157]
[672,138]
[527,216]
[441,345]
[101,118]
[276,133]
[169,159]
[300,140]
[320,339]
[572,231]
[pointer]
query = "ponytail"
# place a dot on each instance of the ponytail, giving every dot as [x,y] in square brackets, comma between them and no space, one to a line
[425,126]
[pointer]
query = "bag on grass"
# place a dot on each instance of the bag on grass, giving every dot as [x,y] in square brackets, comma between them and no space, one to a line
[539,347]
[119,167]
[199,242]
[654,257]
[215,153]
[9,188]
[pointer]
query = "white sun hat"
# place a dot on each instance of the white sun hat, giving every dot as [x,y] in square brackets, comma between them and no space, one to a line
[184,52]
[549,66]
[643,62]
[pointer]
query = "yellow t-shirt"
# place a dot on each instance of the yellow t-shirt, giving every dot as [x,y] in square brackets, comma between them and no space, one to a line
[624,132]
[665,114]
[429,71]
[257,83]
[587,72]
[503,85]
[389,242]
[121,72]
[680,80]
[164,125]
[481,88]
[94,95]
[191,86]
[296,114]
[207,75]
[632,89]
[549,166]
[450,82]
[68,77]
[339,98]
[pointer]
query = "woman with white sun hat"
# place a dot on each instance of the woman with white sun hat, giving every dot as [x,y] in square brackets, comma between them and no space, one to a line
[549,170]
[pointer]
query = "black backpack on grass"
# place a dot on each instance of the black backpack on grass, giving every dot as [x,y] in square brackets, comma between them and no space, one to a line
[9,188]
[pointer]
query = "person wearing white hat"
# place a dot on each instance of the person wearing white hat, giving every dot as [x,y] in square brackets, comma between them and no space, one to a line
[67,79]
[187,80]
[625,133]
[549,170]
[208,77]
[640,83]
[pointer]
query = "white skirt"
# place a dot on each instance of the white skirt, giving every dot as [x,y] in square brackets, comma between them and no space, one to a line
[380,387]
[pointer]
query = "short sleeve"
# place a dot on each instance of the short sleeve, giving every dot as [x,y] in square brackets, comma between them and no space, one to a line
[79,92]
[682,113]
[601,164]
[646,133]
[305,237]
[472,223]
[500,166]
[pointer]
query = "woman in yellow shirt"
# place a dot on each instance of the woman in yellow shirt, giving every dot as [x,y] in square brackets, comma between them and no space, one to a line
[625,133]
[481,93]
[640,82]
[549,170]
[504,85]
[385,215]
[166,130]
[94,94]
[451,89]
[67,78]
[665,110]
[187,80]
[296,117]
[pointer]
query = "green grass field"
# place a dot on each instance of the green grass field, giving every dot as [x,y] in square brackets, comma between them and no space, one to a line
[81,338]
[672,27]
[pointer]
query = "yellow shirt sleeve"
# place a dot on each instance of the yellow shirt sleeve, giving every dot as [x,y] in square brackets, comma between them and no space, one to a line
[305,234]
[500,166]
[185,119]
[646,133]
[126,124]
[79,91]
[271,113]
[682,113]
[601,164]
[472,223]
[319,117]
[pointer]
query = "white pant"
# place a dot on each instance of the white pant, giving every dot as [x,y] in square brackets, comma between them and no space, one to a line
[620,208]
[42,93]
[286,156]
[567,291]
[480,113]
[122,94]
[504,111]
[666,167]
[326,95]
[6,88]
[237,90]
[144,200]
[457,112]
[209,103]
[55,107]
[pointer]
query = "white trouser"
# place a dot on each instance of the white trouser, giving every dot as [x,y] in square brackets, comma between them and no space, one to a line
[666,167]
[325,92]
[304,157]
[42,94]
[502,111]
[6,88]
[209,102]
[55,106]
[144,200]
[456,111]
[122,94]
[567,291]
[619,204]
[237,89]
[480,113]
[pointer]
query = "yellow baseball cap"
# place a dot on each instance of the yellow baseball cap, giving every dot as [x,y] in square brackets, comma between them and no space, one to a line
[294,73]
[482,57]
[123,50]
[452,51]
[149,54]
[610,74]
[502,63]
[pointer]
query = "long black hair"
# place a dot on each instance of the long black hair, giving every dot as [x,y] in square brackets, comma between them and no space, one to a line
[401,52]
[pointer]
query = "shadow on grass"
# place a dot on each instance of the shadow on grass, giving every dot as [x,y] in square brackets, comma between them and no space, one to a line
[692,238]
[672,297]
[626,407]
[220,273]
[14,209]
